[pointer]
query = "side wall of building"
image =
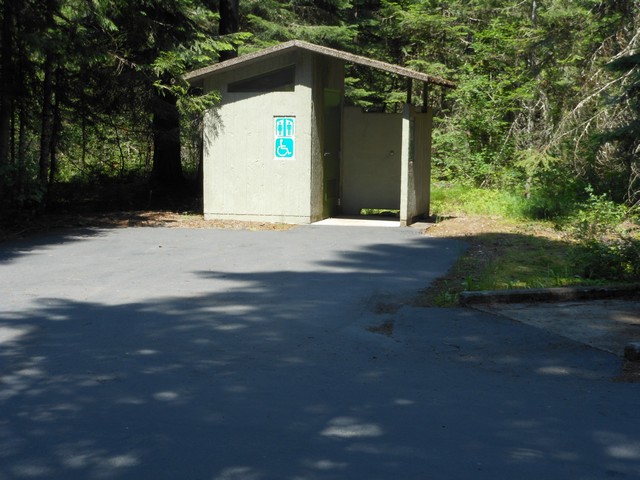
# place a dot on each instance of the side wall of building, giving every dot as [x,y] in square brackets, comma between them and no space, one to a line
[243,179]
[422,161]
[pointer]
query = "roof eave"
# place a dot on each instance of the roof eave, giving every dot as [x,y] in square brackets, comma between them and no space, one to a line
[197,75]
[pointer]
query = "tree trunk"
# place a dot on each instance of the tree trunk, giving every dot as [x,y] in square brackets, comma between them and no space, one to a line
[167,167]
[22,110]
[46,132]
[6,81]
[229,24]
[22,151]
[47,114]
[56,129]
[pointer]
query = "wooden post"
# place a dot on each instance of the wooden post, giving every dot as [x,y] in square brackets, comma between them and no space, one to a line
[409,90]
[425,97]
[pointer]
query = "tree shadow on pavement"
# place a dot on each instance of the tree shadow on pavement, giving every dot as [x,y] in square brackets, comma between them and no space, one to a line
[271,373]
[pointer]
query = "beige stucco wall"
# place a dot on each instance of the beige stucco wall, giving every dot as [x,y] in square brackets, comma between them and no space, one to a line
[422,161]
[415,168]
[387,162]
[242,179]
[370,160]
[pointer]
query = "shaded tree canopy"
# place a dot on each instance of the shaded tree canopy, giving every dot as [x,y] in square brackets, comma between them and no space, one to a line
[547,97]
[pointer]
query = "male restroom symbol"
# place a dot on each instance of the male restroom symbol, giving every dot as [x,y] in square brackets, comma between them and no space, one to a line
[284,127]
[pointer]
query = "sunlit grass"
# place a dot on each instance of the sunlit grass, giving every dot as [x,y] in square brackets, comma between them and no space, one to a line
[506,261]
[510,252]
[528,261]
[462,199]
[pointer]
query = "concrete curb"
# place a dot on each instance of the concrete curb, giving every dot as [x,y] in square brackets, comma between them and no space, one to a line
[631,292]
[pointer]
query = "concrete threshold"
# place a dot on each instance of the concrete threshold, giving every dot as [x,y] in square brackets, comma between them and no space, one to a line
[358,222]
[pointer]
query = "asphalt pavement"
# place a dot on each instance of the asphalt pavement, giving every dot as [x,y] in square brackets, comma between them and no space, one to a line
[608,324]
[604,317]
[154,353]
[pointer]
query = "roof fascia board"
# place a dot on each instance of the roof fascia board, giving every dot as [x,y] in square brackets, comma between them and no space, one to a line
[199,74]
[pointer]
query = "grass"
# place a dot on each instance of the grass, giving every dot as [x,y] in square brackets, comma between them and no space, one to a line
[528,261]
[461,199]
[505,249]
[385,212]
[504,261]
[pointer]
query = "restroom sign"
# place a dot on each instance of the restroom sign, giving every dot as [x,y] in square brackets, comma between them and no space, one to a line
[285,131]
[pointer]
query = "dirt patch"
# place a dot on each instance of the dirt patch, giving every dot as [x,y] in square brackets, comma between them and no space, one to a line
[382,308]
[469,226]
[473,226]
[478,255]
[52,222]
[385,328]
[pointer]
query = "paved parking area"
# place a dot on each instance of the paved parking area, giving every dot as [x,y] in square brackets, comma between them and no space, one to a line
[607,324]
[220,355]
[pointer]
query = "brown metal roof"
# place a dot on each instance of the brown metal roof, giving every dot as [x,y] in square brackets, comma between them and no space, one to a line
[196,75]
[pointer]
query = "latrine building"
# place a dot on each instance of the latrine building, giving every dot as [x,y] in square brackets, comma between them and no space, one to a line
[282,147]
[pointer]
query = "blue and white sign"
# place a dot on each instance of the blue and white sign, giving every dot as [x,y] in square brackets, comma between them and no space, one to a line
[285,131]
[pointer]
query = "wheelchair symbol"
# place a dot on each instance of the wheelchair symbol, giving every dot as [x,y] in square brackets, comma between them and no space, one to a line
[284,148]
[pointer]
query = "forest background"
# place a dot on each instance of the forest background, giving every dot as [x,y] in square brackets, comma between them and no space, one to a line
[93,110]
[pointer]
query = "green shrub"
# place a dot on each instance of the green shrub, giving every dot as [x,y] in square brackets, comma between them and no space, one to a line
[552,197]
[596,219]
[605,250]
[617,259]
[551,189]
